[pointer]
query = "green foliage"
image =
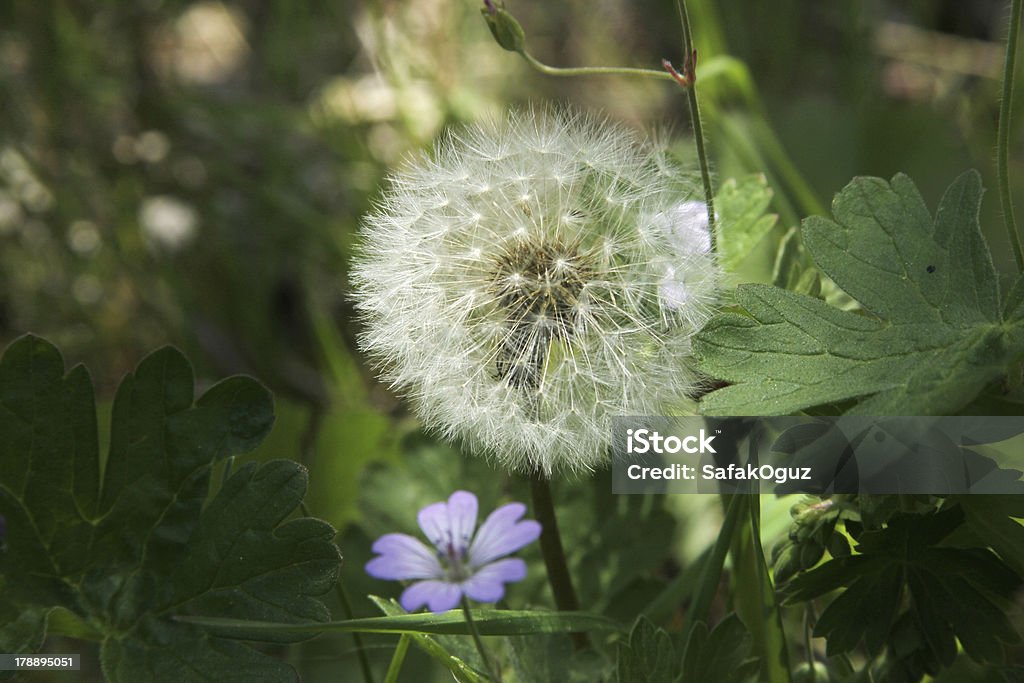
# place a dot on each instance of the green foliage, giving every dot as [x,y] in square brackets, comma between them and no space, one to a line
[812,532]
[120,547]
[910,592]
[742,218]
[755,600]
[648,655]
[434,647]
[723,655]
[932,334]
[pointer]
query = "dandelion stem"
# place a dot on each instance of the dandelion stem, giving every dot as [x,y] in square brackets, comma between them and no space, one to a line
[492,669]
[1003,143]
[698,129]
[592,70]
[554,555]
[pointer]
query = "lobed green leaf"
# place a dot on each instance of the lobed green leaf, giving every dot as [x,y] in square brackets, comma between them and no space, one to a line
[933,336]
[114,557]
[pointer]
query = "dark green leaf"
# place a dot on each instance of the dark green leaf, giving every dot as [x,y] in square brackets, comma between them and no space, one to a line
[116,558]
[722,655]
[647,656]
[990,517]
[904,587]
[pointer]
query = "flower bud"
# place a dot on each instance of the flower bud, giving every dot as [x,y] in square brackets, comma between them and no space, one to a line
[504,27]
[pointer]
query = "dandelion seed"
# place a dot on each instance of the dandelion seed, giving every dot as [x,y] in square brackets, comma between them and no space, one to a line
[571,296]
[463,563]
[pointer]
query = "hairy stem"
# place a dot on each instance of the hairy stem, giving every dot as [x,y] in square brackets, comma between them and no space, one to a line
[554,554]
[698,129]
[491,668]
[592,70]
[1003,144]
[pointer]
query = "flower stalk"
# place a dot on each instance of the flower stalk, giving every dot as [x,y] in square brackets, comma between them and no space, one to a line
[551,548]
[398,658]
[592,70]
[690,69]
[492,669]
[1003,139]
[509,35]
[346,603]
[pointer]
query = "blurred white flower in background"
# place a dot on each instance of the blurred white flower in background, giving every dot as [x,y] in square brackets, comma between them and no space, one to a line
[532,278]
[167,223]
[206,45]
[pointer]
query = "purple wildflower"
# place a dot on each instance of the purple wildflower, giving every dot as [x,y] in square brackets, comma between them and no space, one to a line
[463,564]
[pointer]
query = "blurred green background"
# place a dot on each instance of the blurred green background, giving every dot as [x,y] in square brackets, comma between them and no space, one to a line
[193,173]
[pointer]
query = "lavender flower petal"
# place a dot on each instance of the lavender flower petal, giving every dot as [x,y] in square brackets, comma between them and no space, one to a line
[488,583]
[450,522]
[463,566]
[438,596]
[501,534]
[462,509]
[433,519]
[403,557]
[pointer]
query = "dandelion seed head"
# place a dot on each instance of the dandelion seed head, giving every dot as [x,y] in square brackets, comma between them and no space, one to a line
[529,279]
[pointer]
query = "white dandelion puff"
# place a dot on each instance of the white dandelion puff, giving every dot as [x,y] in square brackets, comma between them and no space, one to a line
[530,279]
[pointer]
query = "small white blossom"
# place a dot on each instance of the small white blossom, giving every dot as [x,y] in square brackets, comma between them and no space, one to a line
[167,222]
[532,278]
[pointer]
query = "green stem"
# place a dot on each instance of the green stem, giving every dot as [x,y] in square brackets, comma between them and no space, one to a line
[711,572]
[229,465]
[592,70]
[397,659]
[809,641]
[346,608]
[478,641]
[554,555]
[1003,140]
[698,129]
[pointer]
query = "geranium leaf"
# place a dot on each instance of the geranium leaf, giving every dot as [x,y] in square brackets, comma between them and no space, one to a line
[648,655]
[932,334]
[903,581]
[117,557]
